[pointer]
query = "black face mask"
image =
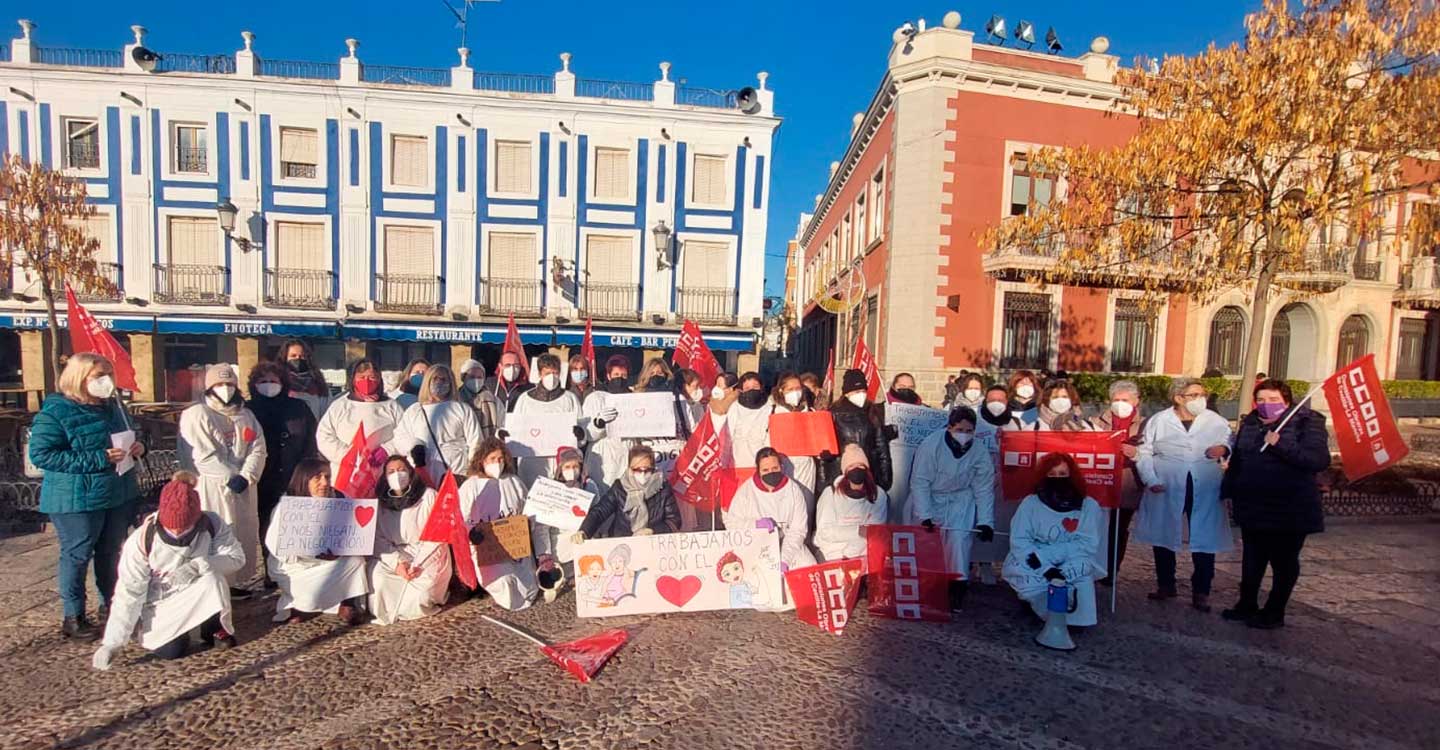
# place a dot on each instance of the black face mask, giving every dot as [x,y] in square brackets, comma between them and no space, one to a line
[752,399]
[773,479]
[616,385]
[658,383]
[857,476]
[905,395]
[298,365]
[1059,495]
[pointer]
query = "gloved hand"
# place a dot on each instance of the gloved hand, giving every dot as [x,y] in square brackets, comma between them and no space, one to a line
[476,535]
[766,524]
[103,656]
[579,432]
[827,456]
[1053,574]
[987,533]
[502,434]
[237,484]
[1033,561]
[577,538]
[185,574]
[417,456]
[607,415]
[928,524]
[891,432]
[784,568]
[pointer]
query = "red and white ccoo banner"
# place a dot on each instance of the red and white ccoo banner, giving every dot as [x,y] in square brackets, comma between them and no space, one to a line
[1101,461]
[1365,429]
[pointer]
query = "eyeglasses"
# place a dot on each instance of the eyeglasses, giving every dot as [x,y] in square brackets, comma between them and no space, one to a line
[642,471]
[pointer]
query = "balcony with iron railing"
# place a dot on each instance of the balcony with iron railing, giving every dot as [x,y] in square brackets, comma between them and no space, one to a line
[1368,270]
[706,305]
[503,296]
[107,288]
[406,293]
[297,170]
[181,284]
[1419,285]
[191,159]
[299,289]
[1325,266]
[610,301]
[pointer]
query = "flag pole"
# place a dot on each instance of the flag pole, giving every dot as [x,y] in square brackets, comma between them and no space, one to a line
[1296,408]
[1114,559]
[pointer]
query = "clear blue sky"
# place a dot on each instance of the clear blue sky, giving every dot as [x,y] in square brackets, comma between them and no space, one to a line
[824,58]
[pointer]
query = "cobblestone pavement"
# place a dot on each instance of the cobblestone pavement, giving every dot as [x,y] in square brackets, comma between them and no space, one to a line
[1356,667]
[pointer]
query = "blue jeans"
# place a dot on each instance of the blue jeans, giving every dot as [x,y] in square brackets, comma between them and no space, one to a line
[90,535]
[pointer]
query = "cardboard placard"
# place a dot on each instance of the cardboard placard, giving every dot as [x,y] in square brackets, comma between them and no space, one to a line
[915,423]
[642,415]
[558,506]
[803,433]
[506,539]
[533,435]
[313,526]
[663,573]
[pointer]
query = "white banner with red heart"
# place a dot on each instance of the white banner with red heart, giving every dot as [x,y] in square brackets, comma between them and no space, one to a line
[533,435]
[556,505]
[314,526]
[666,573]
[642,415]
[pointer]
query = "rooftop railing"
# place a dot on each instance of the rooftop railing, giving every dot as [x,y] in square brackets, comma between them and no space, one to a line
[184,63]
[515,83]
[321,71]
[636,92]
[80,58]
[400,75]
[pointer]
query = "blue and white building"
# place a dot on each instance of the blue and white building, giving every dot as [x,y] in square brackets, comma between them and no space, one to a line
[391,210]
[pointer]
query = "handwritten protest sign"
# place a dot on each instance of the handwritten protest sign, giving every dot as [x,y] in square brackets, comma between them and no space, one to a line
[558,506]
[505,539]
[915,423]
[311,526]
[803,433]
[642,415]
[533,435]
[678,573]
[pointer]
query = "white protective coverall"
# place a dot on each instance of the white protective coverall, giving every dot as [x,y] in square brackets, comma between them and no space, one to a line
[1169,453]
[527,404]
[397,539]
[840,526]
[310,584]
[336,431]
[449,431]
[216,446]
[1068,541]
[958,494]
[513,585]
[785,505]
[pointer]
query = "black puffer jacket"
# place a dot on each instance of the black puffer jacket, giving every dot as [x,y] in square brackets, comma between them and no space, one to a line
[607,517]
[1276,490]
[858,425]
[289,429]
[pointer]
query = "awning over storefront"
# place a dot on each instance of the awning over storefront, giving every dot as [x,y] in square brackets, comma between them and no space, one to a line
[245,326]
[460,333]
[652,338]
[117,323]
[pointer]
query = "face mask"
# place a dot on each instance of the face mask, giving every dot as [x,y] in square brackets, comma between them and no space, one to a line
[716,393]
[972,394]
[494,470]
[367,386]
[857,476]
[857,398]
[570,473]
[1271,411]
[440,388]
[474,384]
[268,390]
[398,481]
[510,373]
[101,387]
[578,377]
[1196,406]
[1122,409]
[773,479]
[1025,391]
[298,365]
[642,477]
[996,408]
[793,398]
[416,380]
[1059,486]
[550,381]
[696,395]
[962,438]
[906,395]
[223,393]
[617,384]
[1060,405]
[752,399]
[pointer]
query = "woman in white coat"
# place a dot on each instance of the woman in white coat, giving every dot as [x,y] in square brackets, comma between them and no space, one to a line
[995,418]
[549,396]
[952,486]
[789,396]
[771,502]
[223,444]
[1179,464]
[172,579]
[312,585]
[847,507]
[605,459]
[748,420]
[494,491]
[409,577]
[363,403]
[439,432]
[1055,539]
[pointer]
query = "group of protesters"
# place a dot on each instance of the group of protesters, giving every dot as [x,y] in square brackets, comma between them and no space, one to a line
[1187,476]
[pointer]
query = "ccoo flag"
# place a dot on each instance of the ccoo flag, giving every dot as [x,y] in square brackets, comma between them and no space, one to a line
[1364,427]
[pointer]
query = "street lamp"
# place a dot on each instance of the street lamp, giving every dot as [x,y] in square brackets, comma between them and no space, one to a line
[226,212]
[663,259]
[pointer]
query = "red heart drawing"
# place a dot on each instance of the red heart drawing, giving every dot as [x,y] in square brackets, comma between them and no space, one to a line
[534,432]
[677,591]
[577,511]
[1071,524]
[248,435]
[363,515]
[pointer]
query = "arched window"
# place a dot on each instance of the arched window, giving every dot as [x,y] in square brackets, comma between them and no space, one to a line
[1354,341]
[1227,341]
[1280,346]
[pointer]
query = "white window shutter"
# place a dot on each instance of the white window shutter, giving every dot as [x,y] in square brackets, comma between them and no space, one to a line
[609,260]
[408,154]
[409,251]
[706,265]
[299,146]
[512,256]
[612,173]
[512,167]
[708,183]
[301,246]
[193,241]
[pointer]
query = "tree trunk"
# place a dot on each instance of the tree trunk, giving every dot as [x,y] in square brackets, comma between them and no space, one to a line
[1259,302]
[49,295]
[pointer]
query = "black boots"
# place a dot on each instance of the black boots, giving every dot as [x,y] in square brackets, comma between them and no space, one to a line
[79,628]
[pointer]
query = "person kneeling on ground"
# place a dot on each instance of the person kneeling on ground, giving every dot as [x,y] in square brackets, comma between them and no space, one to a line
[324,583]
[172,579]
[771,502]
[409,577]
[847,507]
[492,493]
[1055,539]
[639,504]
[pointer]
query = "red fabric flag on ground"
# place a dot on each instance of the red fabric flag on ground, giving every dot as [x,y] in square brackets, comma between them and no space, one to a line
[808,433]
[1364,426]
[447,524]
[906,568]
[829,384]
[693,353]
[358,470]
[587,350]
[512,344]
[825,594]
[87,335]
[864,361]
[1099,455]
[702,475]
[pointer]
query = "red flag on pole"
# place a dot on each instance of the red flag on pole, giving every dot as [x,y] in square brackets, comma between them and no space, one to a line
[1364,426]
[359,470]
[825,594]
[692,352]
[865,362]
[702,475]
[447,524]
[906,570]
[587,350]
[87,335]
[512,344]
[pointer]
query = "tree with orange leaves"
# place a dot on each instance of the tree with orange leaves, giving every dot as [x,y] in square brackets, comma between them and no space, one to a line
[1254,165]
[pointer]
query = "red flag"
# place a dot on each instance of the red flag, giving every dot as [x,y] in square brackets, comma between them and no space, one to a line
[358,469]
[512,344]
[824,595]
[584,657]
[447,524]
[87,335]
[1102,464]
[587,350]
[702,475]
[1364,426]
[829,383]
[906,568]
[692,352]
[865,362]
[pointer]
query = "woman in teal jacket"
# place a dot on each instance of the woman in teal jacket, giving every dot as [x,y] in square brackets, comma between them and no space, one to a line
[89,504]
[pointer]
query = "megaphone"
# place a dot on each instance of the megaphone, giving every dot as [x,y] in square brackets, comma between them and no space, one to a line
[747,101]
[1059,602]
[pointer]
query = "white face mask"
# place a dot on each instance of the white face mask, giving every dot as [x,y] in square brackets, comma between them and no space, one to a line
[474,384]
[223,393]
[996,408]
[962,438]
[696,395]
[1196,406]
[510,372]
[1122,409]
[268,390]
[101,387]
[793,398]
[570,473]
[494,470]
[972,394]
[717,393]
[857,398]
[398,481]
[550,381]
[440,388]
[1060,405]
[1025,390]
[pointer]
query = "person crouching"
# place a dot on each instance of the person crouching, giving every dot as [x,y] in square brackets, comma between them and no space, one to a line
[172,579]
[1055,538]
[324,583]
[409,577]
[846,507]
